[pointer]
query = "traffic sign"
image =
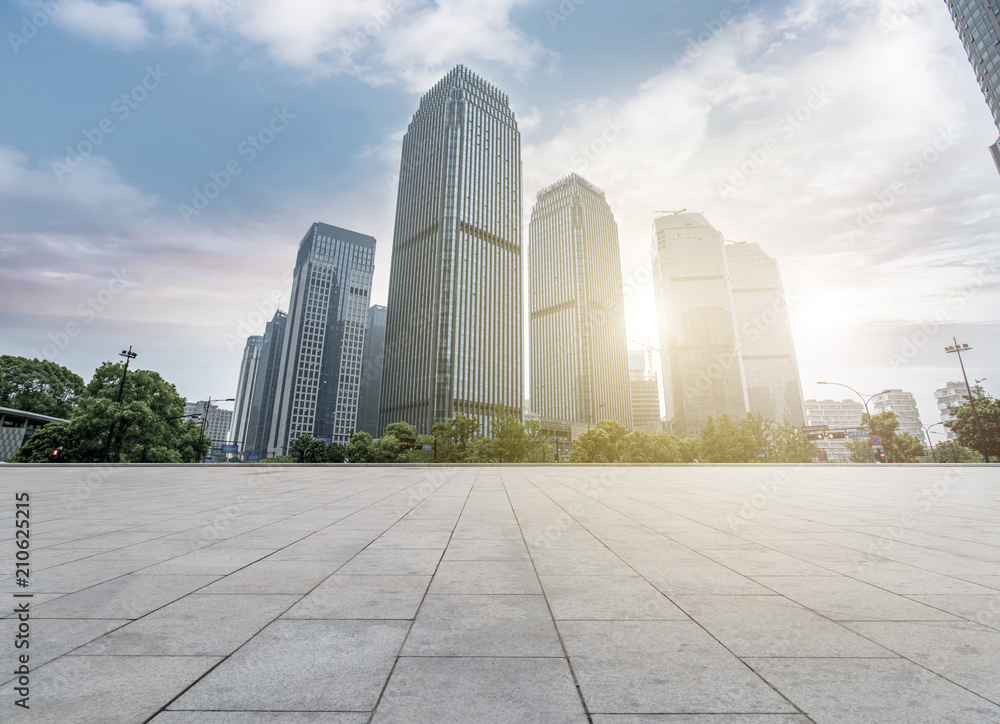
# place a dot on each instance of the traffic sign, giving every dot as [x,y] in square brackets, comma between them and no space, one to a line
[876,440]
[857,434]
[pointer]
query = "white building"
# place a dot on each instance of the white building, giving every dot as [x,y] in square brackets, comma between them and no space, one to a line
[836,415]
[955,394]
[904,406]
[216,426]
[245,390]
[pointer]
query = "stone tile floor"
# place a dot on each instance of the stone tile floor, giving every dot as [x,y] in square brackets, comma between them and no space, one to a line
[640,595]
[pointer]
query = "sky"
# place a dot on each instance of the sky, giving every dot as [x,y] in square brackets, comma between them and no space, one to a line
[848,138]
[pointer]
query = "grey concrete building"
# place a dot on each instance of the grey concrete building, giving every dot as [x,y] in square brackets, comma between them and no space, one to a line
[319,377]
[371,371]
[836,415]
[244,390]
[454,327]
[954,394]
[579,355]
[904,406]
[702,370]
[17,427]
[265,389]
[215,421]
[978,24]
[770,367]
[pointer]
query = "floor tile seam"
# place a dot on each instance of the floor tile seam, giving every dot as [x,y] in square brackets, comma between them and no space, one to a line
[791,703]
[409,630]
[555,626]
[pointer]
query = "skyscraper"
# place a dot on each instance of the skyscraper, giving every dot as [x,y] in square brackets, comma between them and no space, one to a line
[579,358]
[371,371]
[904,406]
[320,372]
[244,390]
[702,370]
[771,371]
[454,325]
[265,388]
[645,390]
[978,23]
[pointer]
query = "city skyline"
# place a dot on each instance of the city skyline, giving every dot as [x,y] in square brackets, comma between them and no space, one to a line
[872,189]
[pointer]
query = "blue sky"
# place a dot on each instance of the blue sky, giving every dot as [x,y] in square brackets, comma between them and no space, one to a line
[859,127]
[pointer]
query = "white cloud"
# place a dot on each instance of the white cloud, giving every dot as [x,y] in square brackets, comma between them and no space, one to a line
[118,24]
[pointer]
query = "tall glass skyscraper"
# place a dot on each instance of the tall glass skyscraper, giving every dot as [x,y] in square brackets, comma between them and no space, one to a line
[244,390]
[978,23]
[265,388]
[320,372]
[454,327]
[371,371]
[702,370]
[770,368]
[579,357]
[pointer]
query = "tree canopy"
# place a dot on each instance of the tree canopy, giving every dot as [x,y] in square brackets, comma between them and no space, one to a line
[964,423]
[38,386]
[899,447]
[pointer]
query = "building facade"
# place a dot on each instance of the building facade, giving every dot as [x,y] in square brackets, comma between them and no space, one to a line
[955,394]
[579,355]
[319,377]
[904,406]
[978,24]
[454,329]
[244,391]
[770,368]
[836,415]
[371,371]
[645,391]
[216,424]
[265,389]
[702,370]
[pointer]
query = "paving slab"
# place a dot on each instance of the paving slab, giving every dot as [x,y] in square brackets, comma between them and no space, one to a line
[363,597]
[131,596]
[303,666]
[261,717]
[484,577]
[608,598]
[700,719]
[485,691]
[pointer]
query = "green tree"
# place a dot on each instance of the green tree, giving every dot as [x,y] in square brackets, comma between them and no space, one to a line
[899,448]
[360,448]
[640,446]
[148,424]
[724,442]
[307,449]
[455,438]
[601,443]
[954,452]
[38,386]
[790,445]
[964,423]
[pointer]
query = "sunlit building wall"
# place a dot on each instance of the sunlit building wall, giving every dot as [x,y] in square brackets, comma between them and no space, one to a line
[955,394]
[836,415]
[770,368]
[702,371]
[265,389]
[579,357]
[454,331]
[244,390]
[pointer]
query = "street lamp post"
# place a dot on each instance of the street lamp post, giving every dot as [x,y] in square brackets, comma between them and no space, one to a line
[129,355]
[958,349]
[865,400]
[594,412]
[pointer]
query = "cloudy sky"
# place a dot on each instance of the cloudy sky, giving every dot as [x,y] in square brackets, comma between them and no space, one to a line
[847,137]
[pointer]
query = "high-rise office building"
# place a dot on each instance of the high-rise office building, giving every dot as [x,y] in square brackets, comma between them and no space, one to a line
[244,391]
[454,327]
[645,391]
[702,370]
[770,368]
[836,415]
[579,357]
[265,388]
[955,394]
[319,377]
[371,371]
[978,23]
[904,406]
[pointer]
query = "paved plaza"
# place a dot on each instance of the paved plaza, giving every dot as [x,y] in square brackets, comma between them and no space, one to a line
[636,595]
